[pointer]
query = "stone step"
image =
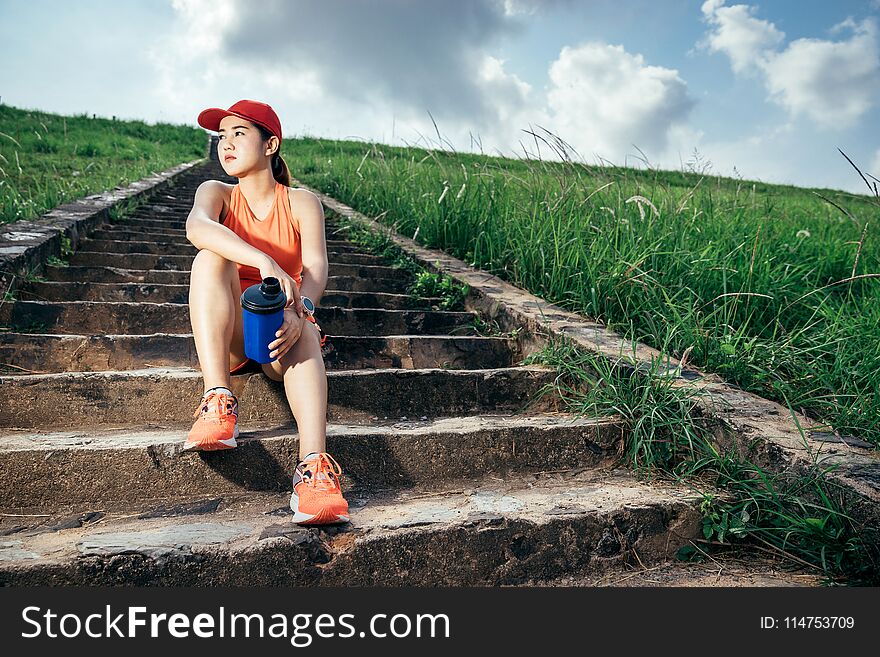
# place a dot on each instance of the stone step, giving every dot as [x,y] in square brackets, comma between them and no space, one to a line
[338,246]
[747,569]
[480,531]
[132,318]
[137,231]
[76,274]
[152,223]
[159,293]
[116,468]
[167,205]
[335,246]
[130,247]
[171,213]
[184,263]
[139,236]
[22,353]
[85,400]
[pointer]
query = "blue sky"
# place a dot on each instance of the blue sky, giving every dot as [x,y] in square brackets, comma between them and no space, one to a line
[770,88]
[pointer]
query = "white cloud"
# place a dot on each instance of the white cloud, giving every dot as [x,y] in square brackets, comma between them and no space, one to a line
[509,92]
[603,99]
[833,83]
[352,71]
[371,67]
[371,63]
[739,35]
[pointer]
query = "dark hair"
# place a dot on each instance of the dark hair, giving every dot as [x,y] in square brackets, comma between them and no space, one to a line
[279,166]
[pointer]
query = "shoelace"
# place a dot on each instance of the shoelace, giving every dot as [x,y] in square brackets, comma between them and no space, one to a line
[322,465]
[223,402]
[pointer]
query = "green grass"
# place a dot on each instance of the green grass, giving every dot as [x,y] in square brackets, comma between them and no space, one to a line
[771,286]
[425,284]
[47,159]
[800,519]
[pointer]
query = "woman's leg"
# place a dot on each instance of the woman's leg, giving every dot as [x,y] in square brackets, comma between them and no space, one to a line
[215,315]
[305,384]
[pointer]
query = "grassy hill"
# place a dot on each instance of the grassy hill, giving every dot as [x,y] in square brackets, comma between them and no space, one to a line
[771,286]
[774,287]
[50,159]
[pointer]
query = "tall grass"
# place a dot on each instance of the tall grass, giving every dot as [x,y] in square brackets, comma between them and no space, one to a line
[773,287]
[801,519]
[50,159]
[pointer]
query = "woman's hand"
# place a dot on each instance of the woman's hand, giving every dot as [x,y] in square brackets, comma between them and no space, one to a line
[287,335]
[291,290]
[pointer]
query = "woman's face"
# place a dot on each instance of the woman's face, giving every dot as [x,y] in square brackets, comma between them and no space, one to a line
[240,140]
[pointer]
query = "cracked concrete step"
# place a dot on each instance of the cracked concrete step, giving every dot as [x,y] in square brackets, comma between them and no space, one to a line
[158,293]
[46,353]
[338,246]
[718,570]
[108,232]
[51,469]
[184,263]
[176,213]
[480,531]
[166,206]
[128,247]
[151,222]
[129,242]
[131,318]
[85,400]
[180,224]
[140,233]
[78,274]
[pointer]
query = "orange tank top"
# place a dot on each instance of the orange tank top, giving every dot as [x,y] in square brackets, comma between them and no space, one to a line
[277,235]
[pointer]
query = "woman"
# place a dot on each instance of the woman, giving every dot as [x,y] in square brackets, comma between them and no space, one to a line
[244,233]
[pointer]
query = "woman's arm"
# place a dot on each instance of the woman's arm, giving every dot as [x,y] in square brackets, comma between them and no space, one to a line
[310,213]
[204,230]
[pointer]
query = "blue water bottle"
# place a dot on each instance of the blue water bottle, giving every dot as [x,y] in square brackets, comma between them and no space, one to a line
[262,311]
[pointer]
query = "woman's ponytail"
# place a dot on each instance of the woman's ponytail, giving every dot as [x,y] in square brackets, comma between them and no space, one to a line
[279,167]
[280,170]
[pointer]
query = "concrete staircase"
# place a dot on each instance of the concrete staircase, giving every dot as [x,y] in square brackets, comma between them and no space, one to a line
[457,472]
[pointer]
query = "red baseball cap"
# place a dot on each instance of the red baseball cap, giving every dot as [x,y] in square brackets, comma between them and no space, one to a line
[252,110]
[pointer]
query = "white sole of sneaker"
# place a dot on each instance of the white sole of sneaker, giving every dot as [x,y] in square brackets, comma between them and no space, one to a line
[229,443]
[299,516]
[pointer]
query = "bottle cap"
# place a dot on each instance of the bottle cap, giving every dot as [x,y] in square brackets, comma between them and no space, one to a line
[264,298]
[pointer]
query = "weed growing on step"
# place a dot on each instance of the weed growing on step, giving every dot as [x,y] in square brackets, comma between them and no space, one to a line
[490,328]
[124,208]
[56,261]
[31,276]
[431,284]
[66,247]
[795,516]
[32,327]
[450,293]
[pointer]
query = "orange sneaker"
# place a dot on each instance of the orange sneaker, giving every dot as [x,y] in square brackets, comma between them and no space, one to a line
[216,424]
[317,494]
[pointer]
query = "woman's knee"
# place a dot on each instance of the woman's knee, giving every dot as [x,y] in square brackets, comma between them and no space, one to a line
[308,345]
[206,259]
